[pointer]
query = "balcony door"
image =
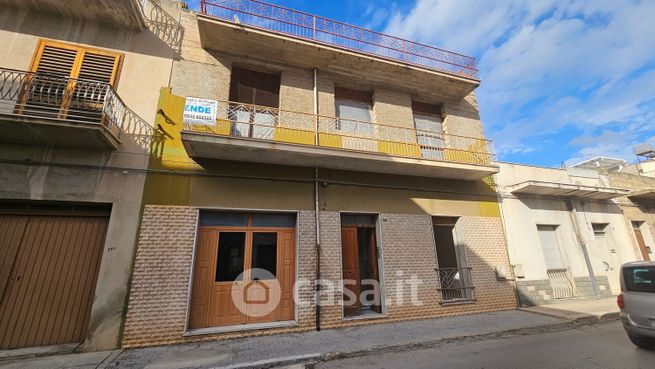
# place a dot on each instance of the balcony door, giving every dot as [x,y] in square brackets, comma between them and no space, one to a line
[244,269]
[353,123]
[68,82]
[255,98]
[428,121]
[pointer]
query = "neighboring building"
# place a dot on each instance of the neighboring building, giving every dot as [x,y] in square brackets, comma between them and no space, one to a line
[373,142]
[567,237]
[79,85]
[639,210]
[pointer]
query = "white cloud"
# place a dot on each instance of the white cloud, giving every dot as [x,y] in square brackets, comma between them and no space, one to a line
[549,65]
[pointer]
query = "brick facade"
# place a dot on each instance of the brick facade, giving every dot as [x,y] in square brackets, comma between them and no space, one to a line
[159,298]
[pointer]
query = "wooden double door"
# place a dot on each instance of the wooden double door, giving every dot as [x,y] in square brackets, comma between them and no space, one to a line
[243,275]
[48,270]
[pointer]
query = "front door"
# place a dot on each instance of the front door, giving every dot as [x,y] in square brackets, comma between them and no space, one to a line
[244,273]
[607,253]
[361,276]
[640,241]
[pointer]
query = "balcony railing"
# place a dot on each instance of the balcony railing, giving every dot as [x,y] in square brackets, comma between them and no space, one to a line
[270,124]
[326,31]
[455,284]
[42,96]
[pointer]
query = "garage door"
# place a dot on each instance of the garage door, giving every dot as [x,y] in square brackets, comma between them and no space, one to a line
[48,271]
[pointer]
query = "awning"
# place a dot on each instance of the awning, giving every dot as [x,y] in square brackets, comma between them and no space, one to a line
[647,195]
[566,190]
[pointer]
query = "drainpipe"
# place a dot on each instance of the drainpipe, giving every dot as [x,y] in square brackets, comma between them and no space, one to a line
[317,286]
[576,228]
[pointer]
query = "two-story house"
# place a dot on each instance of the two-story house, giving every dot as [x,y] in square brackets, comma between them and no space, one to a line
[79,85]
[298,149]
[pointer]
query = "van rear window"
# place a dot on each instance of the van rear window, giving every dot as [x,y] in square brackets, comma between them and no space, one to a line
[639,279]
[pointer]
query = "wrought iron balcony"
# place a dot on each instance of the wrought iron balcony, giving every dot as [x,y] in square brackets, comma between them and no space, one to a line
[329,32]
[61,111]
[455,284]
[315,139]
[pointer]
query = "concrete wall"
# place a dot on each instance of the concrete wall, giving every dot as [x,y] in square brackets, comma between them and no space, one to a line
[522,214]
[64,174]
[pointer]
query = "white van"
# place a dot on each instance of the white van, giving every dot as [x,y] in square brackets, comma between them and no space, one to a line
[637,302]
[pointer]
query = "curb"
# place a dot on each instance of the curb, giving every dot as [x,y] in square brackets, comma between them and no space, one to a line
[331,356]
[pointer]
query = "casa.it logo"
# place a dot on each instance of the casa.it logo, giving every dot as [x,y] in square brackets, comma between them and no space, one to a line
[256,292]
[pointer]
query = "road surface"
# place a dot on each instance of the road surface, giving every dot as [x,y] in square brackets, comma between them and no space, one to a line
[603,345]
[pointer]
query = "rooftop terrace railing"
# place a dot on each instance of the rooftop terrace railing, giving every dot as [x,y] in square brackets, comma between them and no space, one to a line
[330,32]
[265,123]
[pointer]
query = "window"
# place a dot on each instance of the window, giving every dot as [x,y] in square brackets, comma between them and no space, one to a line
[639,279]
[550,247]
[599,229]
[353,107]
[69,81]
[220,218]
[454,277]
[254,88]
[428,122]
[73,61]
[264,255]
[229,263]
[353,110]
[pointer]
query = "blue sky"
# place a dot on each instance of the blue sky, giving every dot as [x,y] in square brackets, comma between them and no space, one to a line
[562,80]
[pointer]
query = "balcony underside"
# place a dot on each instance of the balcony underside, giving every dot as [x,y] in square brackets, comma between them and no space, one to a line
[201,145]
[120,13]
[266,45]
[565,190]
[56,133]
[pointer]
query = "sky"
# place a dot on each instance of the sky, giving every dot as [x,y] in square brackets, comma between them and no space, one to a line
[561,80]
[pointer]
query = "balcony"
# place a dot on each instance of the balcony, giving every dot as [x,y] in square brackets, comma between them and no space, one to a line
[62,112]
[261,134]
[271,32]
[120,13]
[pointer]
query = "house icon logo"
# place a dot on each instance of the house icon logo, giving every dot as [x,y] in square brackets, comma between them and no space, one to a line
[256,292]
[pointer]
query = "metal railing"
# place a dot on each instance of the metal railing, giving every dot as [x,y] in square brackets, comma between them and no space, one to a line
[562,284]
[271,124]
[162,24]
[455,284]
[42,96]
[326,31]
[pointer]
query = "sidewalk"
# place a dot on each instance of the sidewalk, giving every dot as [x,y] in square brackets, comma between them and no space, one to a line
[581,310]
[288,349]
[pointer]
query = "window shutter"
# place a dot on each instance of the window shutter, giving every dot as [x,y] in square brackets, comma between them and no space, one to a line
[98,67]
[56,60]
[550,247]
[76,62]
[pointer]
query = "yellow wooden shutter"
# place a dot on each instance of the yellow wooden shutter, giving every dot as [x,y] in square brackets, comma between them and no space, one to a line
[75,61]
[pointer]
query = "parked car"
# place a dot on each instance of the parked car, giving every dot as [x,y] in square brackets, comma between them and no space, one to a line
[637,302]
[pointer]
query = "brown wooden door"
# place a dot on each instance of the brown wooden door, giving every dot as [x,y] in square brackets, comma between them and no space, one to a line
[49,287]
[350,265]
[372,267]
[219,299]
[641,242]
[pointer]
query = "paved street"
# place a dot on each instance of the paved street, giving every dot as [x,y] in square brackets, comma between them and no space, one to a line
[602,345]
